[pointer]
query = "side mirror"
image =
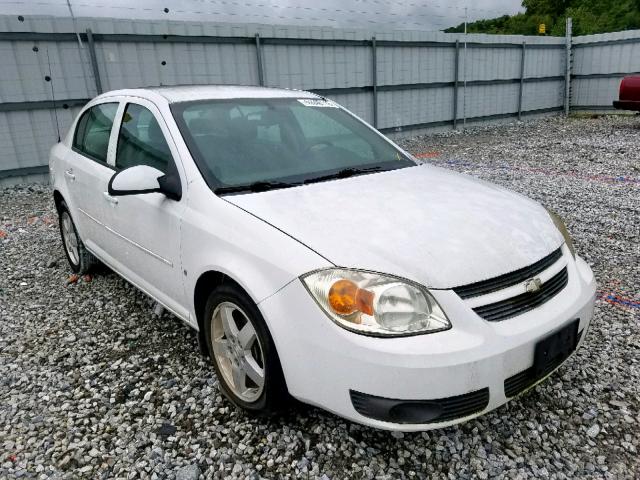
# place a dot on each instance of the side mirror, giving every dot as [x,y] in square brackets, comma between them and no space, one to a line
[141,179]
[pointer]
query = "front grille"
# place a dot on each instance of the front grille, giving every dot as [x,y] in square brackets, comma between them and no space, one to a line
[503,281]
[523,380]
[420,411]
[494,312]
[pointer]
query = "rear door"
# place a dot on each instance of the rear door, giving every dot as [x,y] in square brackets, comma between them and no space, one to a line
[145,228]
[87,172]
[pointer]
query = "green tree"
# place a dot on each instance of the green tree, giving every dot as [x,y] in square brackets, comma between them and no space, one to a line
[554,8]
[589,17]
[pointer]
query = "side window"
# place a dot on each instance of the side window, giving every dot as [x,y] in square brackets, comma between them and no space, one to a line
[141,141]
[93,130]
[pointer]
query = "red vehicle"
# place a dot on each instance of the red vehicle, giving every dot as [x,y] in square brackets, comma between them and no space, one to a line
[629,94]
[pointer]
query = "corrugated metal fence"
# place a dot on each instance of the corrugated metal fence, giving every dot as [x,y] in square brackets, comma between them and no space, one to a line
[598,64]
[401,82]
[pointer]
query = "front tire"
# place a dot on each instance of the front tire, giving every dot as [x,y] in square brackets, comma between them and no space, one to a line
[80,259]
[243,353]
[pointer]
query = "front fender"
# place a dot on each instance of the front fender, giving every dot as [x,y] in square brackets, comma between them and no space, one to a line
[218,236]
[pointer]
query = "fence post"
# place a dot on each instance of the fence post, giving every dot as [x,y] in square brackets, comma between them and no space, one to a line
[520,94]
[374,80]
[259,60]
[456,69]
[567,73]
[94,61]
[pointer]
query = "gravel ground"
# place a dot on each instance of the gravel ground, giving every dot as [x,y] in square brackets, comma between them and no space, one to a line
[93,385]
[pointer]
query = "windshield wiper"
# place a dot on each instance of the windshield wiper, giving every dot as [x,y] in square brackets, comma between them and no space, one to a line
[255,187]
[344,173]
[265,186]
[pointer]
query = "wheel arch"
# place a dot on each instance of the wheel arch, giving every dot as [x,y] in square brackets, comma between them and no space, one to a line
[208,281]
[58,199]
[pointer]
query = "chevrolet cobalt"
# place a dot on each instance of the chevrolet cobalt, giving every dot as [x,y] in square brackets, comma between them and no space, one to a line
[316,258]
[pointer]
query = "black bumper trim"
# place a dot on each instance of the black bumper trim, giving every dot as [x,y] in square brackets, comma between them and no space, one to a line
[420,411]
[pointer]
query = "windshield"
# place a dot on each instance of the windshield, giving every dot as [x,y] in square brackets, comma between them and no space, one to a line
[260,144]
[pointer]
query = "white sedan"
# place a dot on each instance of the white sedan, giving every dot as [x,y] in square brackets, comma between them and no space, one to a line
[316,258]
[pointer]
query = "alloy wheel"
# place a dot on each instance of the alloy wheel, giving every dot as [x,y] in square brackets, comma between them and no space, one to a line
[237,351]
[70,238]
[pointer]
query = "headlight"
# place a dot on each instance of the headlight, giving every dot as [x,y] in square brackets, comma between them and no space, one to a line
[375,304]
[563,230]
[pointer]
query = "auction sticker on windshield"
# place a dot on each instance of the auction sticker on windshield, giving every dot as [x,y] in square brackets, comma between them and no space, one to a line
[317,102]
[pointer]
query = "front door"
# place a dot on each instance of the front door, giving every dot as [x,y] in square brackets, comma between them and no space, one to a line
[145,228]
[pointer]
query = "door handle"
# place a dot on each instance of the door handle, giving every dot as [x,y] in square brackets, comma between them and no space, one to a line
[69,174]
[109,198]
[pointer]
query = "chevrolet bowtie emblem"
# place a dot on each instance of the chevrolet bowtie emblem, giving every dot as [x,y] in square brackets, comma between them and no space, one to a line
[532,285]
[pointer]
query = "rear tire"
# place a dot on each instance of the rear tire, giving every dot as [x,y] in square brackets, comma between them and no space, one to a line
[243,353]
[80,259]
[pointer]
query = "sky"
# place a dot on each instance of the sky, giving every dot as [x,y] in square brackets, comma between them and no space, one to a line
[423,15]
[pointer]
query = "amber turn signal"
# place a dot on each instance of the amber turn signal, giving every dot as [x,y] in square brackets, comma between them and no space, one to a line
[345,298]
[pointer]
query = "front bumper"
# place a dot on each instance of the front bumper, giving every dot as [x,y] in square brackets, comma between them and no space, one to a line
[324,365]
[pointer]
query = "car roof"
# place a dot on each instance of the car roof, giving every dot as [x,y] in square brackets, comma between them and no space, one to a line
[186,93]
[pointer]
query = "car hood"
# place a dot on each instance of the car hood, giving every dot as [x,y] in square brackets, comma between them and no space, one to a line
[431,225]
